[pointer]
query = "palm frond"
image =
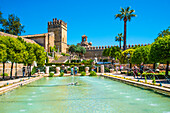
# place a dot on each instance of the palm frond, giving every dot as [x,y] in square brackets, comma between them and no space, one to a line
[131,11]
[128,8]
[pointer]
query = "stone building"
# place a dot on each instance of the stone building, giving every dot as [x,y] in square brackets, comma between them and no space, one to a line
[56,36]
[59,28]
[46,40]
[84,42]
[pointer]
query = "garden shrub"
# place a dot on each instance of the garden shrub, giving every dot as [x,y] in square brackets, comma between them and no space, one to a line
[5,74]
[106,69]
[123,72]
[93,73]
[52,69]
[72,66]
[83,73]
[61,74]
[56,57]
[105,60]
[81,68]
[51,74]
[68,69]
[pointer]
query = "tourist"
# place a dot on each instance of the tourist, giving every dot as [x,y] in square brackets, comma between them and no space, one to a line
[75,70]
[135,71]
[117,68]
[72,71]
[121,68]
[23,70]
[141,69]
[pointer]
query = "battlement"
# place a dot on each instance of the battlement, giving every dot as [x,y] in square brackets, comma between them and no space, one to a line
[104,47]
[56,22]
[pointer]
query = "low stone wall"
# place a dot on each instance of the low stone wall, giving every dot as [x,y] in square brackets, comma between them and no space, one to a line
[155,88]
[18,84]
[8,69]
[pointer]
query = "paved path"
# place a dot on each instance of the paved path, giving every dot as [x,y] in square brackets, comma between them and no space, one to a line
[162,81]
[2,83]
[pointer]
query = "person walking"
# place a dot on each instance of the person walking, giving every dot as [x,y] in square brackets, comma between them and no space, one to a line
[75,70]
[135,71]
[23,70]
[72,71]
[141,69]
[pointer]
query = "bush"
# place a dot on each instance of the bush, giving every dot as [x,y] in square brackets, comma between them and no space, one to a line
[33,70]
[56,57]
[68,69]
[52,69]
[5,74]
[105,60]
[72,66]
[61,74]
[106,69]
[123,72]
[51,74]
[93,73]
[81,68]
[83,73]
[66,64]
[75,61]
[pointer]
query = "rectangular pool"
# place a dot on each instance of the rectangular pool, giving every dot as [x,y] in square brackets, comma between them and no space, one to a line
[91,95]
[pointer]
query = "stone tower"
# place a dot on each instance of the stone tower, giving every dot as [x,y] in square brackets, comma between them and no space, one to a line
[60,34]
[84,42]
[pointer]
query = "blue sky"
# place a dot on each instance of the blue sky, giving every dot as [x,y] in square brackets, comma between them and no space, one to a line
[94,18]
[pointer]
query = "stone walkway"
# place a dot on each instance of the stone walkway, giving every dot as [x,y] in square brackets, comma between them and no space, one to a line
[162,81]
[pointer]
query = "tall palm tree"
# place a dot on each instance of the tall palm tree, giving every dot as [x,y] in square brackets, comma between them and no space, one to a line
[119,38]
[126,15]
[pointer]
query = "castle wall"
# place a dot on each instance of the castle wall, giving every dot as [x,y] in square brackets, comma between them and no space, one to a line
[96,51]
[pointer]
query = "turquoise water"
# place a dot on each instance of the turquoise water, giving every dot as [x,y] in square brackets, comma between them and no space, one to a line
[92,95]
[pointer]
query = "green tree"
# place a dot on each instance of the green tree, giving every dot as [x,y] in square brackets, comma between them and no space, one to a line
[160,51]
[115,52]
[106,52]
[141,54]
[164,33]
[82,50]
[40,54]
[3,56]
[124,56]
[119,38]
[15,50]
[126,15]
[72,49]
[11,25]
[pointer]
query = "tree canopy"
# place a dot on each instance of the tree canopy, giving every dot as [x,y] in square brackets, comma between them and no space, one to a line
[141,54]
[123,58]
[112,52]
[160,50]
[77,49]
[12,25]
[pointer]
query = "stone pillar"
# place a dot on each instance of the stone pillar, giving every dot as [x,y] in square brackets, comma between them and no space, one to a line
[58,70]
[47,70]
[97,69]
[102,68]
[87,69]
[111,70]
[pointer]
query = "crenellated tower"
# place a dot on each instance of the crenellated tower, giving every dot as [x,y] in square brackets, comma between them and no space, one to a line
[59,28]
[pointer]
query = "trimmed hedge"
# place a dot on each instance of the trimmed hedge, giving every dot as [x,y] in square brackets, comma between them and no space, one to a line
[66,64]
